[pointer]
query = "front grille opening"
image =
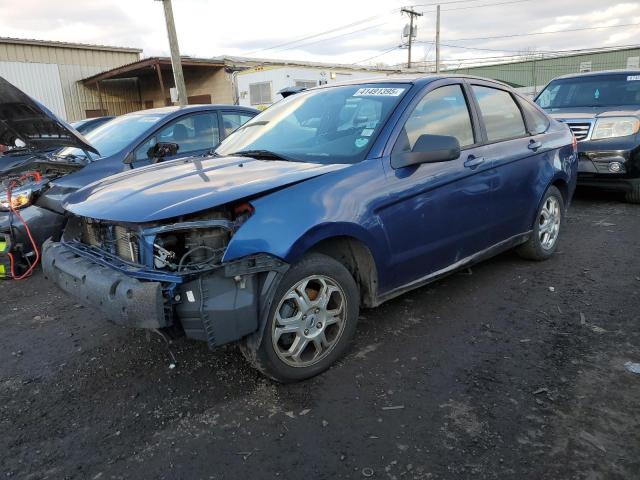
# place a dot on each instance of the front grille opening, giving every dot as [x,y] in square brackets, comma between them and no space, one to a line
[115,239]
[579,129]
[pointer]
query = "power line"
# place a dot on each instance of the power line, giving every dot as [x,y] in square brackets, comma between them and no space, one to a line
[539,33]
[469,6]
[522,57]
[486,5]
[550,53]
[333,38]
[326,32]
[533,52]
[557,53]
[379,55]
[368,19]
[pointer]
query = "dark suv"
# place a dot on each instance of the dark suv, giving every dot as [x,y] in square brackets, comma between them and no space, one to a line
[603,111]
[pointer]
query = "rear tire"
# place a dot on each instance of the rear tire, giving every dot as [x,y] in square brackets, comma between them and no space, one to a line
[312,320]
[543,241]
[634,195]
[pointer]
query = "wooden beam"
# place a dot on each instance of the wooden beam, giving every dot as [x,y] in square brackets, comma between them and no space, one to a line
[159,72]
[141,67]
[102,110]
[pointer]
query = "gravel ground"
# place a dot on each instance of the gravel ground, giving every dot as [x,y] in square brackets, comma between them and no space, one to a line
[510,370]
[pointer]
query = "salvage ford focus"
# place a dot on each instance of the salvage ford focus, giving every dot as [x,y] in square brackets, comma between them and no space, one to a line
[335,198]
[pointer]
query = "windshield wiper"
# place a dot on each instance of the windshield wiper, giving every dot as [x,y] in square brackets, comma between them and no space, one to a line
[262,155]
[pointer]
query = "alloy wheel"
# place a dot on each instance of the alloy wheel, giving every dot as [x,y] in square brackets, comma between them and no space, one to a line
[549,222]
[309,321]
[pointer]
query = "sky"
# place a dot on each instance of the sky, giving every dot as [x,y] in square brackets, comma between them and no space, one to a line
[333,31]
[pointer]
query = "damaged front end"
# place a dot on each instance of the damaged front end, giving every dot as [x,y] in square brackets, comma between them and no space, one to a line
[169,275]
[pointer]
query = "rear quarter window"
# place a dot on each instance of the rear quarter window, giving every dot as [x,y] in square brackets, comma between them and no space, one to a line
[537,121]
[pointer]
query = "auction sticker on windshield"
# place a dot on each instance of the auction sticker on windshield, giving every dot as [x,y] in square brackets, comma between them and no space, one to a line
[633,78]
[378,92]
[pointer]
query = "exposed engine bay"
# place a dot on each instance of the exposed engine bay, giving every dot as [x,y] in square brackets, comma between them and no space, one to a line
[20,188]
[31,178]
[189,245]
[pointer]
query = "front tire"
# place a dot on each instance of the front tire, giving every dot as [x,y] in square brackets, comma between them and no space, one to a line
[546,229]
[312,320]
[634,195]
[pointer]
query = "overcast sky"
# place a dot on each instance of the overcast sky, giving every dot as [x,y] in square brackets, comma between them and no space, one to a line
[209,28]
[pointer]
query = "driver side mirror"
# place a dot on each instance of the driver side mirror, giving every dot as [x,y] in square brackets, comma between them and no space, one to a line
[428,149]
[162,149]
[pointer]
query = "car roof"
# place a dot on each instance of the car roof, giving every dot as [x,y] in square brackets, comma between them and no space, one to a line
[599,73]
[416,79]
[175,109]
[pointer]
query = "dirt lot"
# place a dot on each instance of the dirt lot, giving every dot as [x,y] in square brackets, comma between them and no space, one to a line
[511,370]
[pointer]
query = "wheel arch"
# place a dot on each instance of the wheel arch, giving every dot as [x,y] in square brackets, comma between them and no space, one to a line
[562,185]
[351,248]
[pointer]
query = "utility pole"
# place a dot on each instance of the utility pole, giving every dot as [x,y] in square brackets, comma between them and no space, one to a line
[438,39]
[412,13]
[176,64]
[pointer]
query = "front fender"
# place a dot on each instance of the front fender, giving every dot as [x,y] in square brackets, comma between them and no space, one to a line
[289,222]
[326,231]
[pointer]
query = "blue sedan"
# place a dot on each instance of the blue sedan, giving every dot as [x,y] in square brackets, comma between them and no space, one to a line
[335,198]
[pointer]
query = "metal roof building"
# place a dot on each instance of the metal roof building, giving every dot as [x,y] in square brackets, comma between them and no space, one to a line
[50,72]
[535,72]
[222,79]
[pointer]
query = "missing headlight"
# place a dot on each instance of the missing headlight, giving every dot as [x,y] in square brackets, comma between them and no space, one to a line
[202,246]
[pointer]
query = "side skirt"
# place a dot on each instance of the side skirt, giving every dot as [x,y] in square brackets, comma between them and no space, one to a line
[492,251]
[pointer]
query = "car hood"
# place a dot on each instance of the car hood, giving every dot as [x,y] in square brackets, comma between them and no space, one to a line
[592,112]
[186,186]
[26,119]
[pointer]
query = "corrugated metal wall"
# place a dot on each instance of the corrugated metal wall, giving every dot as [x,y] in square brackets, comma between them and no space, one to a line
[29,78]
[540,71]
[72,64]
[118,96]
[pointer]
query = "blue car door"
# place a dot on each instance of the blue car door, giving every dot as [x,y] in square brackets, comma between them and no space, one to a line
[515,155]
[437,214]
[194,134]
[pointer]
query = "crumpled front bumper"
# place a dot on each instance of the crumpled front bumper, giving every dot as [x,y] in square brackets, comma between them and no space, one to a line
[218,306]
[122,299]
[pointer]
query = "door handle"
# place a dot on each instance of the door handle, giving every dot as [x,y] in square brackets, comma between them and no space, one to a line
[473,161]
[534,144]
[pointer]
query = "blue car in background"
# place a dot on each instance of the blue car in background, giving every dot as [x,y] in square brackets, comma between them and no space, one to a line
[88,124]
[39,181]
[332,199]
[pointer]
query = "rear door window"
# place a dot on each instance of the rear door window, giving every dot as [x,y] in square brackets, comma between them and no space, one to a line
[443,111]
[500,113]
[234,120]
